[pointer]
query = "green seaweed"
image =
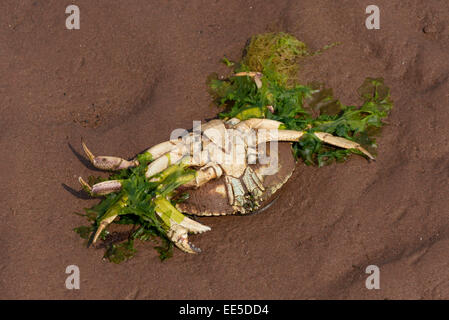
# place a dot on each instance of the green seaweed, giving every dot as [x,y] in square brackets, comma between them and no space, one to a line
[135,205]
[275,55]
[121,252]
[310,108]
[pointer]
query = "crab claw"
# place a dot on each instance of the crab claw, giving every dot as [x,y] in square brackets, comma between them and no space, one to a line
[106,162]
[85,185]
[179,235]
[342,143]
[178,225]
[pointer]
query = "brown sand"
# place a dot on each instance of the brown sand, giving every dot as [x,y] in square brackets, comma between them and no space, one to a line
[137,69]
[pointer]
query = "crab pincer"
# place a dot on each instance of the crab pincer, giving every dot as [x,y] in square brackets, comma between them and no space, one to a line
[179,226]
[108,162]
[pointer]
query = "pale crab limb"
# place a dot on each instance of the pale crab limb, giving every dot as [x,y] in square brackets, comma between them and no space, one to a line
[103,224]
[168,159]
[109,216]
[236,191]
[164,147]
[162,163]
[215,131]
[179,225]
[102,188]
[182,144]
[233,121]
[252,182]
[292,135]
[107,162]
[177,150]
[179,236]
[161,148]
[170,215]
[342,143]
[255,126]
[255,75]
[209,172]
[246,73]
[215,124]
[85,185]
[237,196]
[110,186]
[257,123]
[278,135]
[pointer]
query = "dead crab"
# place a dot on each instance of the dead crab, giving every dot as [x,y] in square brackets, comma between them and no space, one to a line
[228,179]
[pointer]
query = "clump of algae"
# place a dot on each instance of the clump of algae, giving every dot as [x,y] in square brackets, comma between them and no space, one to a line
[276,94]
[275,54]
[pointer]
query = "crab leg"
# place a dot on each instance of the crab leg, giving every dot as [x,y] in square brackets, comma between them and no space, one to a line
[109,216]
[215,131]
[162,163]
[342,143]
[102,188]
[209,172]
[278,135]
[174,157]
[292,135]
[205,174]
[164,147]
[252,182]
[107,162]
[236,193]
[256,123]
[179,236]
[116,163]
[179,225]
[255,75]
[236,190]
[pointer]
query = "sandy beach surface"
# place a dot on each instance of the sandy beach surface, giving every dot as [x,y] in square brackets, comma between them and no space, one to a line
[136,70]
